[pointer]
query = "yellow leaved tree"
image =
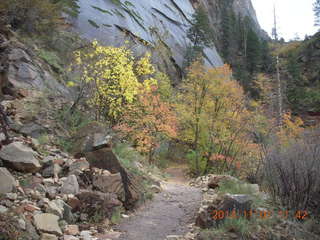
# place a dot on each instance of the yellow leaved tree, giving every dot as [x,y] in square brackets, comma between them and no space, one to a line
[115,78]
[215,120]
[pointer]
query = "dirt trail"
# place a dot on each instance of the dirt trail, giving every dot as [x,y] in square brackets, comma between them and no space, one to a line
[168,213]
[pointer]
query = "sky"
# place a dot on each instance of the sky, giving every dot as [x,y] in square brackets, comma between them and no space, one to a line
[294,17]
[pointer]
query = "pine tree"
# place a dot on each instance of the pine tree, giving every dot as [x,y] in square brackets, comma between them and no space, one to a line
[253,51]
[200,33]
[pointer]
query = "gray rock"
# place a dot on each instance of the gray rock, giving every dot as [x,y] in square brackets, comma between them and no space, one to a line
[32,129]
[51,192]
[67,211]
[46,236]
[22,224]
[31,232]
[20,157]
[52,170]
[70,185]
[101,141]
[47,223]
[18,54]
[8,183]
[3,209]
[78,165]
[85,235]
[12,196]
[55,209]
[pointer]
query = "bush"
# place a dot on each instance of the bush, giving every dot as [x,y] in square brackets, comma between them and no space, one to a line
[292,173]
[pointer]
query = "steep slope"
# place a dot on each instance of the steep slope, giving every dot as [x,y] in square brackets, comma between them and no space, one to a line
[150,22]
[146,22]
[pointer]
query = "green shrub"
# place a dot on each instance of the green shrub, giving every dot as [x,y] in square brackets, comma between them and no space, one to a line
[191,156]
[233,187]
[52,59]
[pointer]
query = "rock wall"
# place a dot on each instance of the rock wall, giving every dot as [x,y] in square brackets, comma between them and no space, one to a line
[146,22]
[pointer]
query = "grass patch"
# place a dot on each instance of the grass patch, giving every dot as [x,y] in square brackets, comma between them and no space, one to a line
[234,187]
[129,157]
[116,215]
[52,59]
[240,227]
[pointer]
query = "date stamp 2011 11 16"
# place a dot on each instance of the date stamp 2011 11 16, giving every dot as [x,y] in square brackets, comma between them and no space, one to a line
[262,214]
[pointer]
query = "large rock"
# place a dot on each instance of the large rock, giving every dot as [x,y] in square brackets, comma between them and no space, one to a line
[7,181]
[47,223]
[32,129]
[98,203]
[229,203]
[70,185]
[93,142]
[20,157]
[109,183]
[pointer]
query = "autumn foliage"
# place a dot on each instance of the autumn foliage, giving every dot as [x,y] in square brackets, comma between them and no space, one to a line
[215,120]
[147,121]
[114,76]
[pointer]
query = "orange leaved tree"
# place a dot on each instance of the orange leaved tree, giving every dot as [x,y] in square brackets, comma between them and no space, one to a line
[147,121]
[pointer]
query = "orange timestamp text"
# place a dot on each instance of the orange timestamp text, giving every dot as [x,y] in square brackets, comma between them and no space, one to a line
[262,214]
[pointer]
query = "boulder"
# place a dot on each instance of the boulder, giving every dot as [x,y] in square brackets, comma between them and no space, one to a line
[20,157]
[70,185]
[93,203]
[94,143]
[238,203]
[110,184]
[55,209]
[32,129]
[47,223]
[52,171]
[8,183]
[78,166]
[3,209]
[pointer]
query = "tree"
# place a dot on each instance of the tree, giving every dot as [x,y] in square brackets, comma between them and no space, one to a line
[200,33]
[147,121]
[214,119]
[114,76]
[316,9]
[253,52]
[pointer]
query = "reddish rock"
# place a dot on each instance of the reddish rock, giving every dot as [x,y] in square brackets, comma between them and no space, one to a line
[31,208]
[74,203]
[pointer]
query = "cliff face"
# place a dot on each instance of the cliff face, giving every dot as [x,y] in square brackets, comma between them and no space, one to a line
[150,22]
